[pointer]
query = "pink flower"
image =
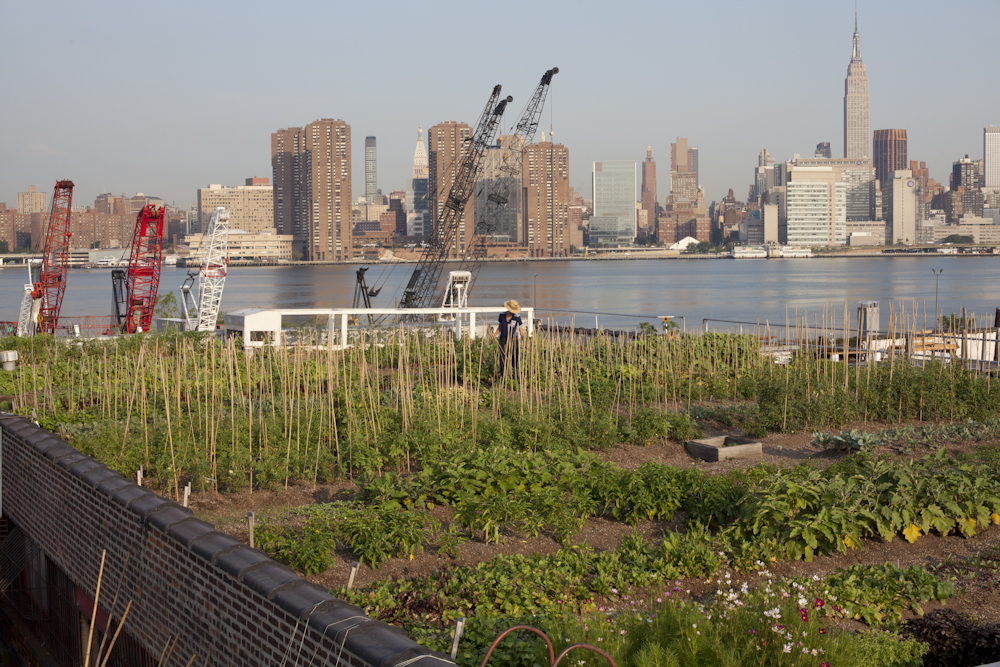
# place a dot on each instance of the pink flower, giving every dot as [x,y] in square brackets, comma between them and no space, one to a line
[818,603]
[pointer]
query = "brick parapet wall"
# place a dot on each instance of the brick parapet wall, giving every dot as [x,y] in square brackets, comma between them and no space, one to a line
[224,599]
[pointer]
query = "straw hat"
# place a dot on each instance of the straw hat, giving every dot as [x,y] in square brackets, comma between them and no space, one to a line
[513,306]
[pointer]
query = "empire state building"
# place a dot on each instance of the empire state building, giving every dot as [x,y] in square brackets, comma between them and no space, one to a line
[857,142]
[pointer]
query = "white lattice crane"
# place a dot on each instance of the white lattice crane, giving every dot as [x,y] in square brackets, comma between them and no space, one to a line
[211,276]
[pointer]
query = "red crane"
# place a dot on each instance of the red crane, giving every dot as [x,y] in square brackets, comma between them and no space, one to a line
[143,278]
[51,285]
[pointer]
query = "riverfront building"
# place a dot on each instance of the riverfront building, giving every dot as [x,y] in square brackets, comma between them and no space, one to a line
[501,176]
[545,179]
[311,169]
[614,219]
[900,208]
[816,207]
[251,206]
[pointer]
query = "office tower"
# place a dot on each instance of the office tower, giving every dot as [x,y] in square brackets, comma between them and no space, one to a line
[31,201]
[900,208]
[889,153]
[823,150]
[816,206]
[251,206]
[856,133]
[545,182]
[679,155]
[371,173]
[648,193]
[500,175]
[448,143]
[693,164]
[614,220]
[965,196]
[417,213]
[311,168]
[991,157]
[857,175]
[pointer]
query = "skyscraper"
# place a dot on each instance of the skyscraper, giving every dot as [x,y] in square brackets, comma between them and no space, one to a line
[991,157]
[823,150]
[856,108]
[545,182]
[693,164]
[900,207]
[648,196]
[613,221]
[417,213]
[312,188]
[448,143]
[816,209]
[889,153]
[371,172]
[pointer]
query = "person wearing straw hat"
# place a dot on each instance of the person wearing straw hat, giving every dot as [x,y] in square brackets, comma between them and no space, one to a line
[509,333]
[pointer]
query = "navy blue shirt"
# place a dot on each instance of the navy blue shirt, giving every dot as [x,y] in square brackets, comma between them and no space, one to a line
[510,327]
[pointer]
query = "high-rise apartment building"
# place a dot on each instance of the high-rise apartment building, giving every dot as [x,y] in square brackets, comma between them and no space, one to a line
[110,204]
[371,172]
[991,158]
[448,143]
[683,171]
[417,213]
[823,150]
[251,206]
[31,201]
[889,153]
[545,182]
[900,208]
[311,169]
[648,193]
[614,220]
[816,207]
[856,106]
[693,164]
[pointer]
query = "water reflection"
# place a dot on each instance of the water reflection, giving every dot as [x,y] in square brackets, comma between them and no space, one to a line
[723,289]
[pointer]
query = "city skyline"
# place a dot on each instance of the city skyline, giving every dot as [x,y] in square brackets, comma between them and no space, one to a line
[107,147]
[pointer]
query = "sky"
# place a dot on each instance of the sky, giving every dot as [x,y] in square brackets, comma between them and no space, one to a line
[167,97]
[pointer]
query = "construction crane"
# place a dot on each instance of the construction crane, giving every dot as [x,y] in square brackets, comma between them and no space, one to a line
[27,321]
[419,292]
[460,284]
[211,276]
[51,285]
[142,279]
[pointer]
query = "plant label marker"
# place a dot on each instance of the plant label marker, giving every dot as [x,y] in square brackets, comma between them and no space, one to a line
[138,476]
[187,493]
[354,571]
[459,629]
[250,522]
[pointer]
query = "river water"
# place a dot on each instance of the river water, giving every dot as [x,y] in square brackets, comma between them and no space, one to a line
[738,290]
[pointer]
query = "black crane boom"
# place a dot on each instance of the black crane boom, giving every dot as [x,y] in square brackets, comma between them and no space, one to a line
[509,180]
[420,290]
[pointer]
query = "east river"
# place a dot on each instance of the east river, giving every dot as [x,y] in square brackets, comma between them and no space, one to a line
[737,290]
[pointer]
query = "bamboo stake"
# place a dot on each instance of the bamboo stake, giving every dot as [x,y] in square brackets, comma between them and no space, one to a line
[93,613]
[115,638]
